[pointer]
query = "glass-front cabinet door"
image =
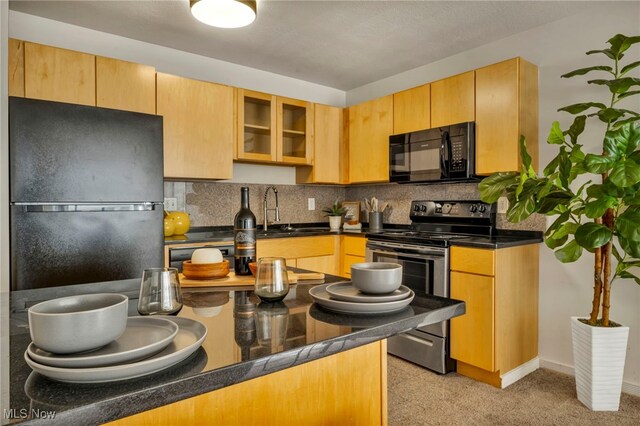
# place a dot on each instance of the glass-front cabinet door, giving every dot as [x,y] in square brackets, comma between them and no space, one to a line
[295,131]
[256,126]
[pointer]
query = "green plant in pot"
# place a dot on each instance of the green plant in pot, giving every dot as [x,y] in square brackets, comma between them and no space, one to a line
[595,199]
[335,213]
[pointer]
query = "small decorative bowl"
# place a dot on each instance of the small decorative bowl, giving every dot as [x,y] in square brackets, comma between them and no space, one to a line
[205,271]
[376,277]
[78,323]
[253,266]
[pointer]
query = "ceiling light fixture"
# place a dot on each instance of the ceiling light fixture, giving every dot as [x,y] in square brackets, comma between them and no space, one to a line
[224,13]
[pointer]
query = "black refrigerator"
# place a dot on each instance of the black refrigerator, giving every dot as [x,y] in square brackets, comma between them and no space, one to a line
[86,192]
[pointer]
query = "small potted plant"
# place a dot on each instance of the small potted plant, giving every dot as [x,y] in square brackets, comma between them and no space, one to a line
[335,213]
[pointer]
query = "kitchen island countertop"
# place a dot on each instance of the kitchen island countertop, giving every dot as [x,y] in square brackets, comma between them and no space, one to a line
[233,352]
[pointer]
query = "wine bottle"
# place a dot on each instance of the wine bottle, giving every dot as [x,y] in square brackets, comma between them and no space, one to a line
[244,235]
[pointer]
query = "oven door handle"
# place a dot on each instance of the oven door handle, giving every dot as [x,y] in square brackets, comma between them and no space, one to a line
[415,256]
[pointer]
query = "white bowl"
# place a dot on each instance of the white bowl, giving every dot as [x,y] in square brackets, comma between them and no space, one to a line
[376,277]
[78,323]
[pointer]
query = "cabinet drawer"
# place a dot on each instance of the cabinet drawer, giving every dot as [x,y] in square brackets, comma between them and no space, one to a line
[348,261]
[293,248]
[355,245]
[475,261]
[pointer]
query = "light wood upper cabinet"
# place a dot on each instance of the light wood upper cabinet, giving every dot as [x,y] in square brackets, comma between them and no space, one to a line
[125,85]
[59,75]
[453,100]
[198,128]
[294,122]
[16,67]
[257,132]
[327,147]
[506,107]
[274,129]
[370,125]
[412,109]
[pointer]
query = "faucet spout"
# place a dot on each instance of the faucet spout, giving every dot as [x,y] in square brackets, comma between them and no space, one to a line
[267,209]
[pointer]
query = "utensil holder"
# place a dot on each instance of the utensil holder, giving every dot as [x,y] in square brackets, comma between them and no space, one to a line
[375,221]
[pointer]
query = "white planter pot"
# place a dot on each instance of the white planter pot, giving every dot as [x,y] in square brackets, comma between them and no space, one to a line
[335,222]
[598,356]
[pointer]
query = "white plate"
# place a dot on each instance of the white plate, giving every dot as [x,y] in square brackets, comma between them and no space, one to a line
[190,336]
[322,298]
[143,337]
[348,293]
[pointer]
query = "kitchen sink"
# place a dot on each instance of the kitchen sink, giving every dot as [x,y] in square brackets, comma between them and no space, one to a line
[291,231]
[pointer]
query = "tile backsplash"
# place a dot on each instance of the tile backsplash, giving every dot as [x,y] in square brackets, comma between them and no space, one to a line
[216,203]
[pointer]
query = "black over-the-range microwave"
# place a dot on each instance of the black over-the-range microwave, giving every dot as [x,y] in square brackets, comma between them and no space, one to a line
[433,155]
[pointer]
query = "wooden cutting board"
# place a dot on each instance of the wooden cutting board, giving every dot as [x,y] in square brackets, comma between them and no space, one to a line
[233,280]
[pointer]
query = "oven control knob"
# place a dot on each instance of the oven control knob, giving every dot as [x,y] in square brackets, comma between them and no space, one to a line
[423,208]
[416,208]
[482,208]
[473,208]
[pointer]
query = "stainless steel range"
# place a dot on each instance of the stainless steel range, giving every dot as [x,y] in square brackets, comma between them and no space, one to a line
[423,251]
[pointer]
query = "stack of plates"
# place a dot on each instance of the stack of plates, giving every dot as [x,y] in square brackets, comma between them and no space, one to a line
[345,298]
[148,345]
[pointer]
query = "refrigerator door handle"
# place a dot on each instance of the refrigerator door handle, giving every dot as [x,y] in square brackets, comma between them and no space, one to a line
[86,207]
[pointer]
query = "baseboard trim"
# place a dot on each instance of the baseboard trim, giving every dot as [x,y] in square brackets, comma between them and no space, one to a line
[627,387]
[519,372]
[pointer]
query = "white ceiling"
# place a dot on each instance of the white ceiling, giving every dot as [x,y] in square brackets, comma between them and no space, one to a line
[340,44]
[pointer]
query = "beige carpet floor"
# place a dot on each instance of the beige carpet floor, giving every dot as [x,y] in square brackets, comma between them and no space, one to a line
[544,397]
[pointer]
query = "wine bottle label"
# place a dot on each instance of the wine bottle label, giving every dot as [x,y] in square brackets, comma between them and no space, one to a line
[245,241]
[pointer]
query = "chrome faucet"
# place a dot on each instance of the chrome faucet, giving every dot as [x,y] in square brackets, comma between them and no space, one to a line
[266,209]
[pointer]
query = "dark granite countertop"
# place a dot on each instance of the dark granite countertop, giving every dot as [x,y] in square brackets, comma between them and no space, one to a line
[225,233]
[503,238]
[234,351]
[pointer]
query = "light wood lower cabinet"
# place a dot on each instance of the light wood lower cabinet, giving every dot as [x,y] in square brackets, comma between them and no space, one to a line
[499,331]
[352,251]
[198,128]
[319,253]
[347,388]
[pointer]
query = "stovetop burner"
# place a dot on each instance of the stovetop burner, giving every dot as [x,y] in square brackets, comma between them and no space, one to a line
[435,223]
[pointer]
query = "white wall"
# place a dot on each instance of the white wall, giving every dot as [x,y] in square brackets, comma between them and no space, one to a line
[565,290]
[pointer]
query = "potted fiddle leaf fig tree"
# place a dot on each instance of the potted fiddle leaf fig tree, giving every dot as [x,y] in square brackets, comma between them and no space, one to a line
[595,199]
[335,213]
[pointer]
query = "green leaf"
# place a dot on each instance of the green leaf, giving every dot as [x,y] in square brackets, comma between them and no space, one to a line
[564,168]
[627,274]
[627,94]
[598,163]
[632,199]
[616,254]
[593,235]
[577,127]
[606,52]
[554,243]
[492,187]
[628,121]
[596,191]
[552,200]
[622,141]
[576,154]
[521,182]
[630,247]
[578,108]
[597,208]
[561,235]
[628,224]
[569,253]
[629,67]
[620,43]
[625,173]
[583,71]
[552,166]
[618,85]
[560,220]
[521,209]
[608,115]
[526,158]
[556,137]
